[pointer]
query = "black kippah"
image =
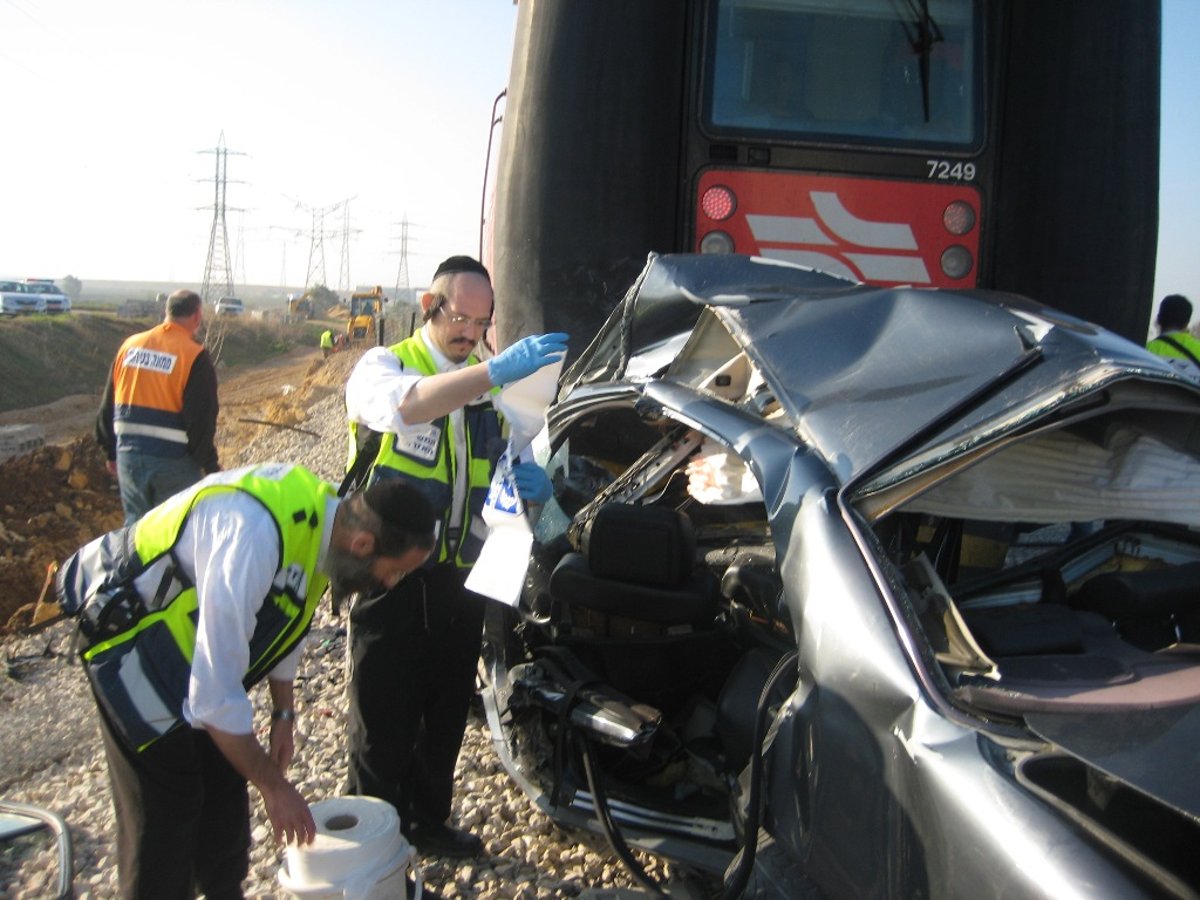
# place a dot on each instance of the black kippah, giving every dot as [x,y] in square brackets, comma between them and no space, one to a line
[402,508]
[461,264]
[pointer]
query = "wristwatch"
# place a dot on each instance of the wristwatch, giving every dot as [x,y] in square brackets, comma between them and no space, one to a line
[283,715]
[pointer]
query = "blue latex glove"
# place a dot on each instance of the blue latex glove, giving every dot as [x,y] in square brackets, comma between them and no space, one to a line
[526,356]
[533,484]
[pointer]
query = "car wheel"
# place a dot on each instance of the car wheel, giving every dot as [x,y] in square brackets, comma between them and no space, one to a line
[776,874]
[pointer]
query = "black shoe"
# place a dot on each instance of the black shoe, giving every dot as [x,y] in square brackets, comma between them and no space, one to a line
[443,840]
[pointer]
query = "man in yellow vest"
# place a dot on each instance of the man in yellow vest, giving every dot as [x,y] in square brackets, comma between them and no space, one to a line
[326,343]
[1174,342]
[413,653]
[179,614]
[158,418]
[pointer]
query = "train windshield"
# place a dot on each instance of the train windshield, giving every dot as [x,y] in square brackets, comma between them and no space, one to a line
[902,73]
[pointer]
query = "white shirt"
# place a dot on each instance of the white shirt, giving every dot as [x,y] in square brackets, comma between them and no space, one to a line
[231,585]
[378,385]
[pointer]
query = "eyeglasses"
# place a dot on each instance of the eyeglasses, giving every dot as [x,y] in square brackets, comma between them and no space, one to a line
[458,319]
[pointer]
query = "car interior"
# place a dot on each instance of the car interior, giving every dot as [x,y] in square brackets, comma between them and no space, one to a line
[653,627]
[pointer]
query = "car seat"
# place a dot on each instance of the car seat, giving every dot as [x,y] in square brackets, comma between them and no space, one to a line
[639,562]
[636,609]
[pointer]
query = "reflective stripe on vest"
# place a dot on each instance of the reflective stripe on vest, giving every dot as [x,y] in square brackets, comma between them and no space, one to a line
[150,374]
[141,674]
[424,456]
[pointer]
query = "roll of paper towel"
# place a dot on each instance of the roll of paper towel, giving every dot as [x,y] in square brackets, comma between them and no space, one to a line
[358,840]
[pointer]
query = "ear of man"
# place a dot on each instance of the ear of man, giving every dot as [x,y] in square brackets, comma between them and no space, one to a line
[362,543]
[428,309]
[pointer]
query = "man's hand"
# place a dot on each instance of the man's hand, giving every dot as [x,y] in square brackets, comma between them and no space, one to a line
[290,816]
[526,356]
[291,819]
[533,484]
[110,466]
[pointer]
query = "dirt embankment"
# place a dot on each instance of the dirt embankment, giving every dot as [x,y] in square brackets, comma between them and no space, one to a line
[57,498]
[44,359]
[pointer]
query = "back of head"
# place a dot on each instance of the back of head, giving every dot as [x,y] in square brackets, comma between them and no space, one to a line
[183,304]
[398,515]
[1174,313]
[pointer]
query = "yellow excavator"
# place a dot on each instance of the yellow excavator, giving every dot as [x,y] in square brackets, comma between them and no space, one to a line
[300,307]
[366,310]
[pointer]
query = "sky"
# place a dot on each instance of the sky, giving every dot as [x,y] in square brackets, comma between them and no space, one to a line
[359,113]
[341,117]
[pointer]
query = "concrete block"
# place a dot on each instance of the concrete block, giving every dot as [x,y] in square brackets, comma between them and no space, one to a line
[16,440]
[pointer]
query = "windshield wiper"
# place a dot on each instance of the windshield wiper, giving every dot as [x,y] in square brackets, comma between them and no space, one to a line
[922,32]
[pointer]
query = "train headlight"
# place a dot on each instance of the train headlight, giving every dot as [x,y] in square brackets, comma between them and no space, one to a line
[718,203]
[957,261]
[716,242]
[958,217]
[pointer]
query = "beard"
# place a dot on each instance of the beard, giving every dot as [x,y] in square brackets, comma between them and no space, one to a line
[458,350]
[350,575]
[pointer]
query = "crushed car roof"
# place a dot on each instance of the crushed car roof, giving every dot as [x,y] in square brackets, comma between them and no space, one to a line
[865,373]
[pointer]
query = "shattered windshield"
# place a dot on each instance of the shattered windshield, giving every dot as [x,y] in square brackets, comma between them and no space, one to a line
[871,71]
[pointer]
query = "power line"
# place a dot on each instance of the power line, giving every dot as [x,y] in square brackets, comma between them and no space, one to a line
[239,259]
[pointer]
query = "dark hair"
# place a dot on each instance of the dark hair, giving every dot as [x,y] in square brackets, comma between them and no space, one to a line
[396,513]
[439,300]
[1174,313]
[182,304]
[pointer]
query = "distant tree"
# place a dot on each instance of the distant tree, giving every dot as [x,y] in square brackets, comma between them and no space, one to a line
[72,287]
[321,296]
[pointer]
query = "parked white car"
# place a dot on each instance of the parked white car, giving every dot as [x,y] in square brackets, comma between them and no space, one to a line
[56,300]
[15,300]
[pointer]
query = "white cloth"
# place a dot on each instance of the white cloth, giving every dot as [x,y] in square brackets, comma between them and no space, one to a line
[717,476]
[231,585]
[1064,477]
[378,385]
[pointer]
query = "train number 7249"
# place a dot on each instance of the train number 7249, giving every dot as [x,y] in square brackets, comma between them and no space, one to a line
[944,170]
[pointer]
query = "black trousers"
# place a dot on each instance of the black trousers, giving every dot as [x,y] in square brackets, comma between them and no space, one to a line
[183,817]
[413,655]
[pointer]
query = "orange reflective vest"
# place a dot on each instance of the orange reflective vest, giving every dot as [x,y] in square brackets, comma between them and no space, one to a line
[149,376]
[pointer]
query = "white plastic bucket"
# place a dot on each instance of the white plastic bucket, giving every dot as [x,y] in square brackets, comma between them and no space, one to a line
[357,854]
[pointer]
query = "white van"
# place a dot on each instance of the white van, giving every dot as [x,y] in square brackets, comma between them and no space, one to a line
[230,306]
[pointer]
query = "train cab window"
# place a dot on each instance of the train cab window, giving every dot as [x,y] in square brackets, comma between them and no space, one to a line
[870,71]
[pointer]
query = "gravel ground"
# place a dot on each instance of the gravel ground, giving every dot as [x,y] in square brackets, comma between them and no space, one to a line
[51,756]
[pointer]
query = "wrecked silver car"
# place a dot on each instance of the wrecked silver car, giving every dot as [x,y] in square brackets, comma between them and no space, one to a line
[863,592]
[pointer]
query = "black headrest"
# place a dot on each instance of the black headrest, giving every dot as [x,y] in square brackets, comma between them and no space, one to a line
[652,545]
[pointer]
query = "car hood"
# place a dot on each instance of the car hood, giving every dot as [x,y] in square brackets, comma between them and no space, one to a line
[873,378]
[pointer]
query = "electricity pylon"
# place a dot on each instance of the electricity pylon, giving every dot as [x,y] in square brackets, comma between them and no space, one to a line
[402,270]
[345,285]
[218,275]
[316,245]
